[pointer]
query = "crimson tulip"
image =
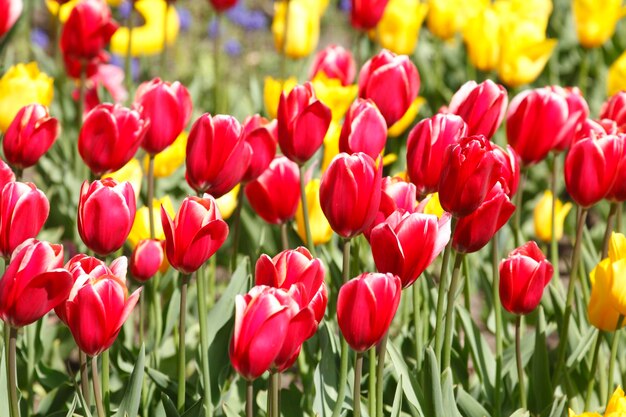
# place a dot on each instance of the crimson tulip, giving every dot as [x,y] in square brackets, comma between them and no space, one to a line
[523,276]
[334,61]
[217,155]
[303,121]
[615,109]
[168,107]
[110,136]
[275,194]
[470,170]
[578,111]
[106,212]
[406,243]
[262,136]
[482,106]
[6,174]
[23,212]
[31,133]
[396,195]
[350,193]
[366,306]
[510,168]
[364,129]
[10,11]
[392,82]
[365,14]
[147,259]
[195,234]
[426,147]
[222,5]
[34,283]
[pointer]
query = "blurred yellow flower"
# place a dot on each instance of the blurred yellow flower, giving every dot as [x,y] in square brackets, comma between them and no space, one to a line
[321,232]
[404,123]
[389,159]
[147,39]
[21,85]
[448,17]
[332,93]
[168,161]
[617,271]
[543,217]
[331,144]
[398,29]
[616,80]
[534,12]
[272,90]
[596,20]
[433,206]
[617,404]
[141,226]
[66,9]
[130,172]
[303,31]
[482,39]
[228,202]
[600,311]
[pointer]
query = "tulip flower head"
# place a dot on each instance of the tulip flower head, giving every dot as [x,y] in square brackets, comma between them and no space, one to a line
[337,97]
[615,109]
[272,90]
[147,259]
[482,106]
[303,27]
[396,195]
[615,408]
[222,5]
[596,22]
[10,11]
[6,174]
[364,129]
[398,29]
[365,14]
[336,62]
[262,137]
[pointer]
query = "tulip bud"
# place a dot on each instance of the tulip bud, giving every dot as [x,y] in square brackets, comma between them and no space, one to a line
[222,5]
[350,193]
[396,195]
[303,121]
[482,106]
[543,217]
[23,212]
[365,14]
[470,170]
[336,62]
[510,168]
[168,107]
[147,259]
[366,306]
[217,155]
[29,136]
[34,283]
[523,276]
[195,234]
[364,129]
[406,243]
[392,82]
[321,232]
[11,11]
[275,194]
[426,147]
[615,109]
[262,137]
[106,212]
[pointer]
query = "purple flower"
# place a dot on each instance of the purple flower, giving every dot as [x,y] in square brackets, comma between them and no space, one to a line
[214,28]
[125,9]
[232,47]
[184,16]
[40,38]
[249,20]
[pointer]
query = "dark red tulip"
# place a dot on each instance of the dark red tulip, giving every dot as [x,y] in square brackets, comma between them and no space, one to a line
[222,5]
[615,109]
[364,129]
[217,155]
[336,62]
[350,193]
[303,121]
[147,259]
[523,276]
[396,195]
[110,136]
[365,14]
[275,194]
[510,168]
[392,82]
[426,148]
[262,137]
[482,106]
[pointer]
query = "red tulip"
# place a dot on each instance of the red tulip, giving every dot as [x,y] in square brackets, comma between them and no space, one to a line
[23,212]
[147,259]
[426,148]
[336,62]
[523,277]
[10,11]
[392,82]
[510,168]
[364,129]
[217,155]
[396,195]
[97,308]
[542,120]
[195,234]
[106,212]
[365,14]
[591,167]
[6,174]
[110,136]
[406,243]
[34,283]
[275,194]
[222,5]
[470,170]
[303,121]
[366,306]
[350,193]
[615,109]
[168,107]
[262,136]
[262,320]
[482,106]
[474,231]
[31,133]
[597,128]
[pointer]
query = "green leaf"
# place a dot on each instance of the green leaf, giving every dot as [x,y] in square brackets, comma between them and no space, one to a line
[483,359]
[168,405]
[558,407]
[326,373]
[4,398]
[521,413]
[132,397]
[397,400]
[173,308]
[433,405]
[583,348]
[411,387]
[196,410]
[468,405]
[539,380]
[70,412]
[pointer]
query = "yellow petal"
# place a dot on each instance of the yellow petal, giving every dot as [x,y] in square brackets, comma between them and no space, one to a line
[321,232]
[481,36]
[398,29]
[303,30]
[130,172]
[272,90]
[595,21]
[600,310]
[433,206]
[170,159]
[617,403]
[228,202]
[331,144]
[542,216]
[333,94]
[141,225]
[616,80]
[617,295]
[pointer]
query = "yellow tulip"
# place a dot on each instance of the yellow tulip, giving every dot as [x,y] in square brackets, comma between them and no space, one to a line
[272,90]
[617,404]
[303,31]
[403,124]
[482,39]
[331,144]
[321,232]
[534,12]
[130,172]
[616,80]
[168,161]
[141,226]
[543,217]
[21,85]
[573,414]
[147,39]
[617,259]
[448,17]
[596,20]
[66,9]
[600,311]
[398,29]
[333,94]
[433,206]
[389,159]
[228,202]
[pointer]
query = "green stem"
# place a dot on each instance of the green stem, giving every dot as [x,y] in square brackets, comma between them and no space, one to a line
[216,63]
[614,346]
[212,279]
[128,75]
[380,370]
[305,213]
[371,391]
[343,369]
[31,335]
[237,229]
[151,195]
[249,399]
[84,377]
[417,303]
[275,387]
[497,306]
[594,367]
[11,343]
[156,305]
[467,290]
[518,357]
[204,340]
[447,344]
[96,386]
[554,244]
[142,308]
[284,235]
[105,380]
[517,216]
[609,229]
[356,396]
[443,283]
[182,363]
